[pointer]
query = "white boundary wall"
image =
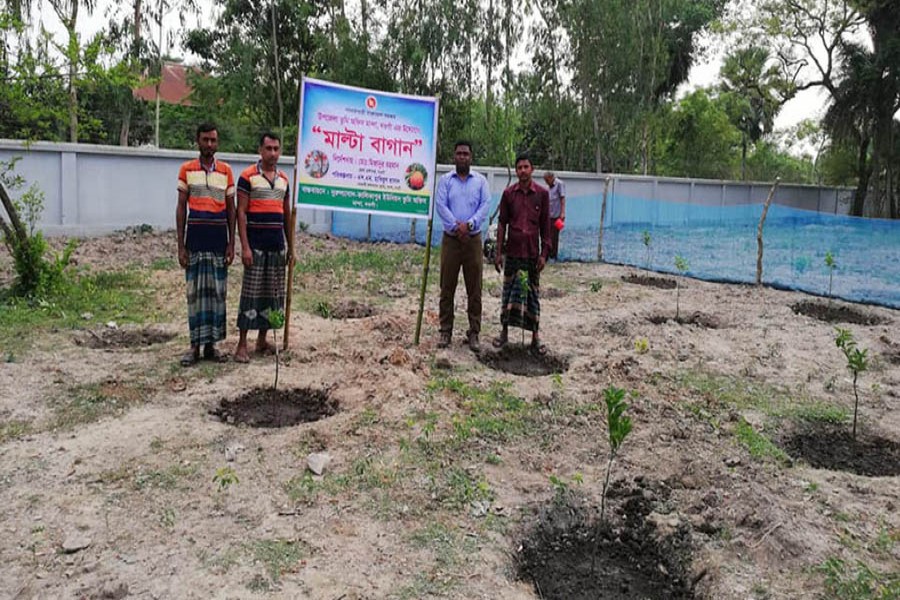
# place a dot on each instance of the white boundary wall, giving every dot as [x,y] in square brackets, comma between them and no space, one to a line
[91,189]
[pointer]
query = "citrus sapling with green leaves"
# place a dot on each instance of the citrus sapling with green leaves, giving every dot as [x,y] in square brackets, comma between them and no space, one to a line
[618,427]
[276,321]
[647,239]
[225,477]
[857,362]
[682,265]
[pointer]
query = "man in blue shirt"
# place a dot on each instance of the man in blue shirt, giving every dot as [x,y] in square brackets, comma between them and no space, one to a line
[462,203]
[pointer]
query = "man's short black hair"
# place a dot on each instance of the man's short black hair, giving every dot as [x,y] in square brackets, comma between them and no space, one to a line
[271,136]
[206,127]
[523,156]
[465,143]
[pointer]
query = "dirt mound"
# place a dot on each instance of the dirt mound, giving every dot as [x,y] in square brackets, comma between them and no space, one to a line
[833,448]
[567,557]
[520,360]
[265,407]
[122,337]
[351,309]
[698,318]
[836,313]
[647,280]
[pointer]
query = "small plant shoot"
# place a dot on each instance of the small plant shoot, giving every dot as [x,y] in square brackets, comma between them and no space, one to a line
[618,427]
[276,321]
[641,345]
[831,264]
[682,265]
[225,477]
[857,362]
[647,239]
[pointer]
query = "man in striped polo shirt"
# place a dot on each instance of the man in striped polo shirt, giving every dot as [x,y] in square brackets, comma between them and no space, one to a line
[263,217]
[204,220]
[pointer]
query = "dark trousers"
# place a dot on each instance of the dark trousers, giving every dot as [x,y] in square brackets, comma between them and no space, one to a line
[456,253]
[554,239]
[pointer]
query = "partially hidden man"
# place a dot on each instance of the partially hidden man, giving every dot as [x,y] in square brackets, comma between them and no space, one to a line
[204,220]
[263,217]
[523,235]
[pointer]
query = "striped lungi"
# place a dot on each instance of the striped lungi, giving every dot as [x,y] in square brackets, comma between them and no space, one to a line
[262,290]
[521,308]
[207,281]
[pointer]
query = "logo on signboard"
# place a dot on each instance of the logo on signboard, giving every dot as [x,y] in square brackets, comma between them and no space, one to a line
[371,102]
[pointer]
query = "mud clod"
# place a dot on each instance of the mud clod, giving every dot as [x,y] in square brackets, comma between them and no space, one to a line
[833,448]
[836,313]
[521,360]
[646,280]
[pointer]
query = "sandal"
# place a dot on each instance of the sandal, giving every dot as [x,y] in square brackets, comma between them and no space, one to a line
[214,354]
[189,358]
[538,349]
[499,342]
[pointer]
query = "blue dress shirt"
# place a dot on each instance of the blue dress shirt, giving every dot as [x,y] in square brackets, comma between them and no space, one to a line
[466,200]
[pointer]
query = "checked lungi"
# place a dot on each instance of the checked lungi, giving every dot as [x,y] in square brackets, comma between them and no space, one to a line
[520,308]
[262,290]
[206,277]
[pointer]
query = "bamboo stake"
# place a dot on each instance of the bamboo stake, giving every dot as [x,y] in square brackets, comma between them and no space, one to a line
[759,231]
[424,281]
[602,219]
[292,259]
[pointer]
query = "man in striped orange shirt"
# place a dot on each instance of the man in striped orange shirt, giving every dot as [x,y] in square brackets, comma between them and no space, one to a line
[204,220]
[263,217]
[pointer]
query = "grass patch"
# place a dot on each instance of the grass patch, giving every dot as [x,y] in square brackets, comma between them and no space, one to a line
[277,556]
[367,269]
[859,581]
[165,479]
[164,264]
[491,414]
[13,430]
[92,402]
[108,295]
[724,391]
[759,446]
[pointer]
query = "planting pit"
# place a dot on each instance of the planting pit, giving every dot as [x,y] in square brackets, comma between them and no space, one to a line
[519,360]
[833,448]
[351,309]
[126,337]
[634,559]
[697,318]
[835,313]
[646,280]
[265,407]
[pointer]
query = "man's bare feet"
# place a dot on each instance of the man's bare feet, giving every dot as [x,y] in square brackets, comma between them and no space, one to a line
[241,355]
[265,347]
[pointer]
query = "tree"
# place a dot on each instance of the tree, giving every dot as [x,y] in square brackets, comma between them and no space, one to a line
[754,92]
[815,40]
[697,139]
[627,56]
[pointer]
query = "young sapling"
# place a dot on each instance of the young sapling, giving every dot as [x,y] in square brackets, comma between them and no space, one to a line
[682,265]
[276,321]
[646,239]
[832,265]
[618,428]
[857,362]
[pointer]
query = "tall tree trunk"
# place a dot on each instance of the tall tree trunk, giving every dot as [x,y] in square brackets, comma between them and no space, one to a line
[278,71]
[863,171]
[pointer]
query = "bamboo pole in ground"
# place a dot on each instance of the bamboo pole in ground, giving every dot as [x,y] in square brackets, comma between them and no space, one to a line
[759,231]
[424,281]
[602,218]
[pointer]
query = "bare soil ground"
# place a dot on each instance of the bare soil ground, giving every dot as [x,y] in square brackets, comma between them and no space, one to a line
[120,478]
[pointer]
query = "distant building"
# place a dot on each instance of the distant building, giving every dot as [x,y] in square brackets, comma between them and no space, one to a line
[173,88]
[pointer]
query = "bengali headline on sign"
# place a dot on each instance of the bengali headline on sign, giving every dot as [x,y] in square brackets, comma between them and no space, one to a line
[366,151]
